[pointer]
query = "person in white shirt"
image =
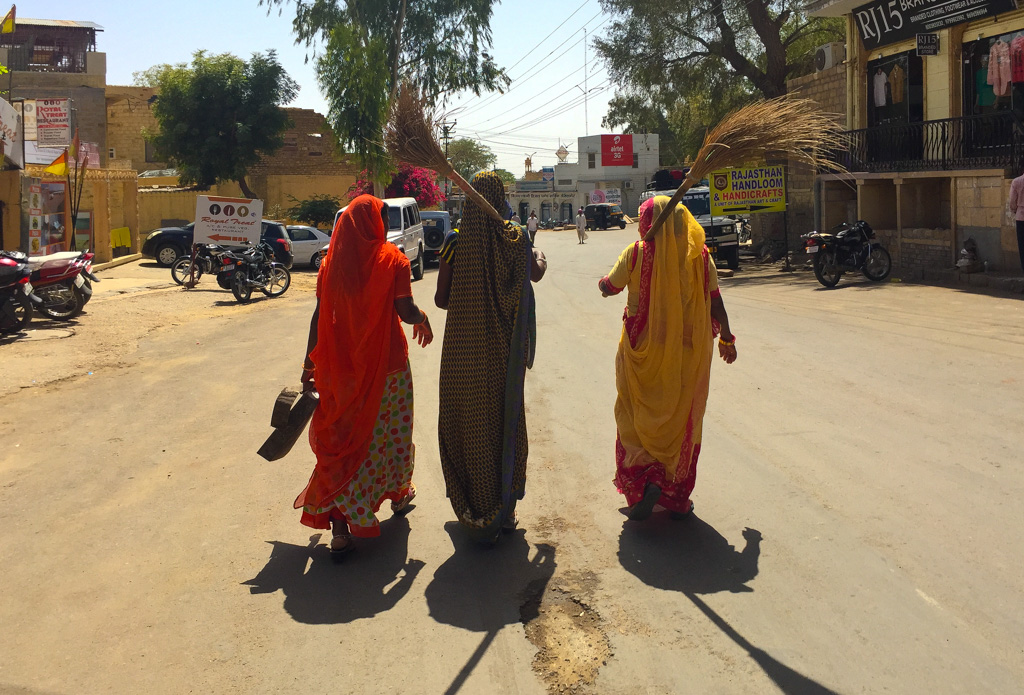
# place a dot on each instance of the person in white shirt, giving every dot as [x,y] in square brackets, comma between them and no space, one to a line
[581,226]
[532,223]
[515,218]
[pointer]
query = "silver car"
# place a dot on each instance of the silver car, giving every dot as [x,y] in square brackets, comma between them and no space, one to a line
[309,244]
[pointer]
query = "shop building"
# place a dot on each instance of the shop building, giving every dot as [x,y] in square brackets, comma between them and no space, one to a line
[612,168]
[934,126]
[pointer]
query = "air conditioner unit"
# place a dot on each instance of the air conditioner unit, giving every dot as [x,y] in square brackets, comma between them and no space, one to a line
[829,55]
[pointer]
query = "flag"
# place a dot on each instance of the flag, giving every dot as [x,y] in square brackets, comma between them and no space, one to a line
[7,26]
[59,165]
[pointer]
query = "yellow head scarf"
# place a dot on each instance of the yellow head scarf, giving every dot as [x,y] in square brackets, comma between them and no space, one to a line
[663,382]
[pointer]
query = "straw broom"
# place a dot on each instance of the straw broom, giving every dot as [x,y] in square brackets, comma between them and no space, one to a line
[781,127]
[410,136]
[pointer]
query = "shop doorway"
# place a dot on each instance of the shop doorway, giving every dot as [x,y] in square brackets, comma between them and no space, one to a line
[545,212]
[567,212]
[524,211]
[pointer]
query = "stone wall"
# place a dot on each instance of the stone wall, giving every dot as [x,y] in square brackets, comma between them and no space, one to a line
[980,214]
[129,114]
[87,99]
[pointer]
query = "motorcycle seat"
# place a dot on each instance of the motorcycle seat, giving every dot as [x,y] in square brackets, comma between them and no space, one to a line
[62,256]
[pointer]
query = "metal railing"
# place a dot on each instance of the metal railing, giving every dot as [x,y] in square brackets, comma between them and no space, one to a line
[988,141]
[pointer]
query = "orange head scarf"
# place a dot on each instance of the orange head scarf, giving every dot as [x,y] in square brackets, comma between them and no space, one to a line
[358,341]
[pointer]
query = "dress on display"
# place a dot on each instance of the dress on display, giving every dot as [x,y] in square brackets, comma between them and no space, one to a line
[896,81]
[1017,58]
[881,80]
[999,68]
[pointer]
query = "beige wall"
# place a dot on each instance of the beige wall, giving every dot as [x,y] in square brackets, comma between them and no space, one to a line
[128,115]
[10,195]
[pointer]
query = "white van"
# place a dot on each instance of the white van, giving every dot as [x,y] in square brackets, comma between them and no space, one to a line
[405,230]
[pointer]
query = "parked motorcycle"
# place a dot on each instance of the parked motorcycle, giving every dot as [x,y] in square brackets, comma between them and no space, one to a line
[16,296]
[847,248]
[64,282]
[254,269]
[205,259]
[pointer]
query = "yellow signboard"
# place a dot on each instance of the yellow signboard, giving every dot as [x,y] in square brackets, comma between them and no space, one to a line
[748,189]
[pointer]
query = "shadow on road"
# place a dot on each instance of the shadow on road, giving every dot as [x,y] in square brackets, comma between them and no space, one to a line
[693,558]
[482,589]
[328,593]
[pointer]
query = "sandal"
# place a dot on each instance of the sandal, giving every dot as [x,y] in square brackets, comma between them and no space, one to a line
[401,507]
[642,509]
[511,523]
[341,545]
[679,516]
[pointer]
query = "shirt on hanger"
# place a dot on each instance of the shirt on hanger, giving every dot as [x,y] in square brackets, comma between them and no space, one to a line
[896,80]
[999,68]
[1017,58]
[880,81]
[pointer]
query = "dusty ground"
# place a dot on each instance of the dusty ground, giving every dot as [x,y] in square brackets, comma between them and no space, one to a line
[858,524]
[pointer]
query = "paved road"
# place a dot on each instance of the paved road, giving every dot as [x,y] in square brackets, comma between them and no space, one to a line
[858,524]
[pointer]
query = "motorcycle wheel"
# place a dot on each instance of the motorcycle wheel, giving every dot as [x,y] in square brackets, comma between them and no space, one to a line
[182,270]
[278,282]
[63,307]
[827,271]
[240,287]
[877,265]
[15,313]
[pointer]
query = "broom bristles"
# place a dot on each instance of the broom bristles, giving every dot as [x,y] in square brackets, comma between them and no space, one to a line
[411,136]
[784,127]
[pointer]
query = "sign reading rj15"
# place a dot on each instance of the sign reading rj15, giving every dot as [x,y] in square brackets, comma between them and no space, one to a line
[883,22]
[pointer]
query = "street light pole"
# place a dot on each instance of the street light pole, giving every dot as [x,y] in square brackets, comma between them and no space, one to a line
[586,119]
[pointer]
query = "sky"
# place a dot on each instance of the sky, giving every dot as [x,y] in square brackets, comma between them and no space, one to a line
[539,42]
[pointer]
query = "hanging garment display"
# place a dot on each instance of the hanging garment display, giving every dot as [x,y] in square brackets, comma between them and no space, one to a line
[985,95]
[897,80]
[999,68]
[1017,58]
[881,81]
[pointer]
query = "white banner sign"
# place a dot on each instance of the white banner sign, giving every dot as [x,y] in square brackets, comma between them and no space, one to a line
[53,123]
[228,221]
[606,195]
[10,133]
[27,108]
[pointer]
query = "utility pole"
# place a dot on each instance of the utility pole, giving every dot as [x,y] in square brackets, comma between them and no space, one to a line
[447,130]
[586,119]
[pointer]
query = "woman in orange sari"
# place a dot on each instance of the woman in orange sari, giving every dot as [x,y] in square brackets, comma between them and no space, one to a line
[357,359]
[663,365]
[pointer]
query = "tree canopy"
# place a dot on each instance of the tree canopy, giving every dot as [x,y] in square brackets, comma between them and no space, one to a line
[470,156]
[408,182]
[218,115]
[318,210]
[364,49]
[507,176]
[684,64]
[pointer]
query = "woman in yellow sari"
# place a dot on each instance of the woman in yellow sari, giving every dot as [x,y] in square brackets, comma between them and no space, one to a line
[663,365]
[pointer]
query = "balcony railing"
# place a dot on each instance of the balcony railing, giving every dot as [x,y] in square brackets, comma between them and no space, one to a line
[989,141]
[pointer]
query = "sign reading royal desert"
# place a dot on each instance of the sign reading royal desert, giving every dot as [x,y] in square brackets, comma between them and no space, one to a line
[53,123]
[228,221]
[748,189]
[883,22]
[616,150]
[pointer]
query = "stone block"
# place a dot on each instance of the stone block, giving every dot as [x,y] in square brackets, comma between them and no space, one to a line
[994,217]
[992,197]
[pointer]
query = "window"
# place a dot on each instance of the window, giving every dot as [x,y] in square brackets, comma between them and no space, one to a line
[394,218]
[1005,92]
[300,234]
[564,182]
[112,153]
[896,90]
[591,160]
[407,216]
[636,161]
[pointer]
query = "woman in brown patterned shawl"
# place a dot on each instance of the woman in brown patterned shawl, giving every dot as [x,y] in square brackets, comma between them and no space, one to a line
[489,339]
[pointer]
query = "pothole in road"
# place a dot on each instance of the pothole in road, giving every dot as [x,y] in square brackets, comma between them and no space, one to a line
[46,334]
[571,643]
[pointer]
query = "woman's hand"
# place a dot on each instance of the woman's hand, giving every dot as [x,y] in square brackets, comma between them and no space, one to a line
[307,379]
[727,349]
[422,333]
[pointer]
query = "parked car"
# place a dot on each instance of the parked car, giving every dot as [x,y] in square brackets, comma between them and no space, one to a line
[436,225]
[307,243]
[721,233]
[405,230]
[604,215]
[167,244]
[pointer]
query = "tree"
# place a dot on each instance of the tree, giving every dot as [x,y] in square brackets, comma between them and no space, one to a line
[370,47]
[218,115]
[692,61]
[407,182]
[318,211]
[507,176]
[470,156]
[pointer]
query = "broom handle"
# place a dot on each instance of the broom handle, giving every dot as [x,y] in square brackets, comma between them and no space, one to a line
[474,194]
[676,198]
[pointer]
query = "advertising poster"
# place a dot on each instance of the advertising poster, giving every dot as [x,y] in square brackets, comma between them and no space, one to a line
[748,189]
[228,221]
[53,217]
[27,109]
[53,123]
[10,134]
[616,150]
[606,195]
[83,231]
[35,220]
